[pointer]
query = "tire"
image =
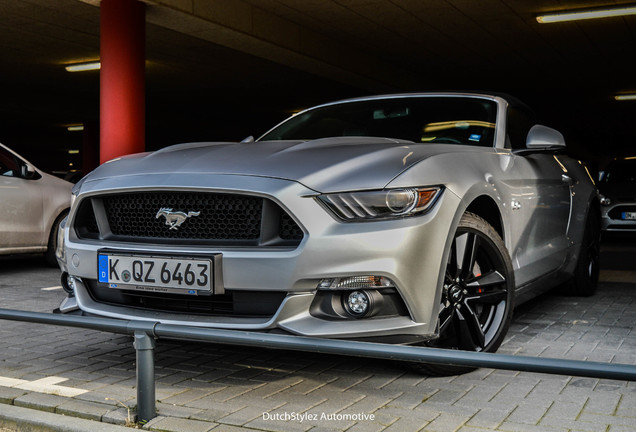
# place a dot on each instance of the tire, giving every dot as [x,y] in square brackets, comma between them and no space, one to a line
[477,295]
[587,269]
[49,255]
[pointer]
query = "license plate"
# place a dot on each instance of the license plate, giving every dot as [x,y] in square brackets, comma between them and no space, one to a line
[152,273]
[629,216]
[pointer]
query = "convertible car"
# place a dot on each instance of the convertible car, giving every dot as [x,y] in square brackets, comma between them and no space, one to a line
[410,219]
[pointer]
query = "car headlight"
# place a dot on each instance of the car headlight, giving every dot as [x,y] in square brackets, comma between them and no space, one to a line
[605,200]
[380,204]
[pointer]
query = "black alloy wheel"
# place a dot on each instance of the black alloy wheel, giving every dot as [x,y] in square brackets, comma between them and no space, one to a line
[477,294]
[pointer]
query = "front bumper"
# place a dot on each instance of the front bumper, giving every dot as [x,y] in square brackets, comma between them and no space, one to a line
[611,217]
[408,251]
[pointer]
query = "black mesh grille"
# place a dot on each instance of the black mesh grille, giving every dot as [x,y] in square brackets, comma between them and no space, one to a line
[205,216]
[289,230]
[187,217]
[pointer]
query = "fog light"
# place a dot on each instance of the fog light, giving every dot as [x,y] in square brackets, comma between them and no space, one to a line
[357,303]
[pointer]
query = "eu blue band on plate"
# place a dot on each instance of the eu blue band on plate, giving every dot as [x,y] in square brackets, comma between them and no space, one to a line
[103,268]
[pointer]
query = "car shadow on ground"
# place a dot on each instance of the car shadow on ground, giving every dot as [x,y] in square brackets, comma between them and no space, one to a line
[24,263]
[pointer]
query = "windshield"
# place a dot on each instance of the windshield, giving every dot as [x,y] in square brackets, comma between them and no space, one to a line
[623,171]
[448,120]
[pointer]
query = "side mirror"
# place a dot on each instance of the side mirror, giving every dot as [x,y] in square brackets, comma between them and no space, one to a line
[27,171]
[541,137]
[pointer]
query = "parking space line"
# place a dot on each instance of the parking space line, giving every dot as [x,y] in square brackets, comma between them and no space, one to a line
[44,385]
[53,288]
[10,382]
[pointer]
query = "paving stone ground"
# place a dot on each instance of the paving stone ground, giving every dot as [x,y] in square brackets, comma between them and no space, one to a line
[202,387]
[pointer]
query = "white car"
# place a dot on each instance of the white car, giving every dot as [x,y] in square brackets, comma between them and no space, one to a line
[32,205]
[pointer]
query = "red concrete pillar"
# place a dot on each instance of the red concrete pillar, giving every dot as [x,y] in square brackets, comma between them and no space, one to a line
[122,80]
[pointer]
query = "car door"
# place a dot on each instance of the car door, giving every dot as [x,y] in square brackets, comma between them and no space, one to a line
[543,245]
[21,219]
[540,205]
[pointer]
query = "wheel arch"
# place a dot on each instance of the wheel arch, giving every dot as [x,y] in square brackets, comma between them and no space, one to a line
[485,207]
[56,217]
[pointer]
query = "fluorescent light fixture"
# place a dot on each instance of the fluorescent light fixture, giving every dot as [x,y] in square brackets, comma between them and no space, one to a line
[73,152]
[75,128]
[82,67]
[626,96]
[574,15]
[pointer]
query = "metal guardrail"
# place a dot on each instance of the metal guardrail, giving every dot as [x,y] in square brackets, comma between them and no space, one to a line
[145,333]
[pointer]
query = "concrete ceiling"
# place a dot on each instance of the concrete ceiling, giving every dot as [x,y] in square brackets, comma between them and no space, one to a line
[224,69]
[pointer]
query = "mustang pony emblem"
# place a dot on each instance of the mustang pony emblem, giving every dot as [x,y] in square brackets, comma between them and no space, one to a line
[175,218]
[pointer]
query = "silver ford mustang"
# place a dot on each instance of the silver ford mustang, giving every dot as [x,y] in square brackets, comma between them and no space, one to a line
[413,219]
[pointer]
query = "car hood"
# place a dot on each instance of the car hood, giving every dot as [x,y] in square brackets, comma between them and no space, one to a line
[619,191]
[324,165]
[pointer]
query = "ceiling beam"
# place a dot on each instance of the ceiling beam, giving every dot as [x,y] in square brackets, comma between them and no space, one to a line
[248,29]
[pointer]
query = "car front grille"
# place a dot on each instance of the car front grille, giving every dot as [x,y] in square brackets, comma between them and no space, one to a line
[173,217]
[617,212]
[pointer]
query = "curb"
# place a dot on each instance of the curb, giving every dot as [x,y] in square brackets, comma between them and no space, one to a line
[24,419]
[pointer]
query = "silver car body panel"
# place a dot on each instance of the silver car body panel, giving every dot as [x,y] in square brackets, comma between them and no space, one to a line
[539,216]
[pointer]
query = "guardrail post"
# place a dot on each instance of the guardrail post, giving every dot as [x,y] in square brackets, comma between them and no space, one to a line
[145,349]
